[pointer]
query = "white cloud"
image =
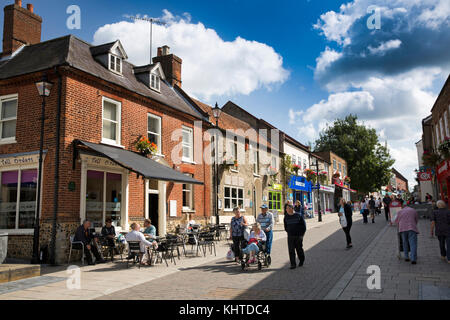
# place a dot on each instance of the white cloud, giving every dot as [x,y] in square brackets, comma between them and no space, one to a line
[211,65]
[325,59]
[385,46]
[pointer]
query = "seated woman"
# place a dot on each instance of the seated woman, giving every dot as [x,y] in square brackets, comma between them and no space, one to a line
[109,233]
[255,236]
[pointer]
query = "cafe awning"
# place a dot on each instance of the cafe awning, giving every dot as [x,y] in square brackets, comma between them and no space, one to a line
[132,161]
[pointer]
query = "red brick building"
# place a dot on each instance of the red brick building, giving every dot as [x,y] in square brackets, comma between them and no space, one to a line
[99,105]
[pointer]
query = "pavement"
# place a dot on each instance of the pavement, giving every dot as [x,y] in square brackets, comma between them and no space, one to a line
[330,272]
[429,279]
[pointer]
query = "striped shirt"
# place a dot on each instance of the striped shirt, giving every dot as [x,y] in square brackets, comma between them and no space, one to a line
[266,221]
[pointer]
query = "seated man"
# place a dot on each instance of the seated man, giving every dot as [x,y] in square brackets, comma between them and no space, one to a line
[150,230]
[83,235]
[109,234]
[137,235]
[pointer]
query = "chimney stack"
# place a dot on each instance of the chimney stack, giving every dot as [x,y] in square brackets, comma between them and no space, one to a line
[21,26]
[171,65]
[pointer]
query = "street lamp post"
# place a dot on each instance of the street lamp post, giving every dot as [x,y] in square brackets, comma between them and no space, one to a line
[43,87]
[318,191]
[216,113]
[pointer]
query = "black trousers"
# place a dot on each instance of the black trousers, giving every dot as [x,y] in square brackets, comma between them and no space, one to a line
[295,243]
[386,213]
[237,246]
[443,243]
[347,232]
[87,252]
[365,213]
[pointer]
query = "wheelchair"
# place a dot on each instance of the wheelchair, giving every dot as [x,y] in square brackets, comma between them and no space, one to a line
[261,258]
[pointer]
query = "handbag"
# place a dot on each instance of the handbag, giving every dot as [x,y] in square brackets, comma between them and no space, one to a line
[343,221]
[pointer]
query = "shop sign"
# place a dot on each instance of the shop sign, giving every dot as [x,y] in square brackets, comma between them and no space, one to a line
[424,176]
[327,188]
[19,160]
[98,161]
[277,187]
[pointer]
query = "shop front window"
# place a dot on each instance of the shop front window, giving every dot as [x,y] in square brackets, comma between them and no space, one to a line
[234,197]
[18,199]
[103,197]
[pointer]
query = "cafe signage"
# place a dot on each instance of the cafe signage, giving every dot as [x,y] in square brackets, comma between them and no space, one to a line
[19,160]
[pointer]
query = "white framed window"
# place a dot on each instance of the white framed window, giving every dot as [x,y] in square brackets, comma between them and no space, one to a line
[111,121]
[438,140]
[233,197]
[334,165]
[154,131]
[155,82]
[188,144]
[345,170]
[115,63]
[274,162]
[305,165]
[188,196]
[446,123]
[294,159]
[8,118]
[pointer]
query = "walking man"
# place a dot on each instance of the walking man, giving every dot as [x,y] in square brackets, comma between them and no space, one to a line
[265,219]
[387,202]
[372,205]
[406,220]
[295,226]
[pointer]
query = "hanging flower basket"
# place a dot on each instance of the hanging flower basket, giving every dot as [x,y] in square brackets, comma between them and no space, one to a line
[145,147]
[431,159]
[311,175]
[347,179]
[296,168]
[323,177]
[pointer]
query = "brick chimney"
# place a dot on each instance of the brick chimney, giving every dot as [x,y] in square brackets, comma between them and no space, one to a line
[171,65]
[21,26]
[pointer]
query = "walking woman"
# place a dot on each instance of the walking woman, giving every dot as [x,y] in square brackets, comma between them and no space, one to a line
[238,225]
[346,210]
[440,225]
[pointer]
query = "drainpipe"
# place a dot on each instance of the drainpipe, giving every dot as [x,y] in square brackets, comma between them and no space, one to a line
[56,188]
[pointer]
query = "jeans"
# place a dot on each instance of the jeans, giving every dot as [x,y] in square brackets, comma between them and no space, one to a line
[409,239]
[386,213]
[251,247]
[269,235]
[443,243]
[295,243]
[365,213]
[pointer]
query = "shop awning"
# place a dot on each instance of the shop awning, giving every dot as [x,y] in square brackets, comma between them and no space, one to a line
[147,168]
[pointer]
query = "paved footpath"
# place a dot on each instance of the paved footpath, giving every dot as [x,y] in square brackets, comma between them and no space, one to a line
[400,280]
[326,262]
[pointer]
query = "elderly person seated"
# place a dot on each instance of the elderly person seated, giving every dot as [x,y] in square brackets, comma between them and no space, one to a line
[150,230]
[440,225]
[89,243]
[255,237]
[137,235]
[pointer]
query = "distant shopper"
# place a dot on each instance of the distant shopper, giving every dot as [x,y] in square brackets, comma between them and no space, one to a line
[387,202]
[372,207]
[238,225]
[407,220]
[295,226]
[347,211]
[298,207]
[440,225]
[265,219]
[364,210]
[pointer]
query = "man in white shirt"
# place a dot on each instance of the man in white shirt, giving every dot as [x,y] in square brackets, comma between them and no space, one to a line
[137,235]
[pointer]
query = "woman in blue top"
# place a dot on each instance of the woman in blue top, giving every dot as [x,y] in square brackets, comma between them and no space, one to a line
[150,230]
[238,224]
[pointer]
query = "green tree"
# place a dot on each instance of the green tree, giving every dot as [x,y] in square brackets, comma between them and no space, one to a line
[369,163]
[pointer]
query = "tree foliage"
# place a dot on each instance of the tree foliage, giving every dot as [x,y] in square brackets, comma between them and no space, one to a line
[368,162]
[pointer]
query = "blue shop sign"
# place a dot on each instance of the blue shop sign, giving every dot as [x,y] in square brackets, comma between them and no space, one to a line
[300,184]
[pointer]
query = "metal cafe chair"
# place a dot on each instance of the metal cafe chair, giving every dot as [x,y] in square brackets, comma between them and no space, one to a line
[162,251]
[206,241]
[77,246]
[134,252]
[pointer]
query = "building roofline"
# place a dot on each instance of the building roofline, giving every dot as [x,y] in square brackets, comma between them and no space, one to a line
[447,83]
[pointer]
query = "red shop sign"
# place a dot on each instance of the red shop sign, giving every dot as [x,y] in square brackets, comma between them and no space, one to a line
[424,176]
[442,169]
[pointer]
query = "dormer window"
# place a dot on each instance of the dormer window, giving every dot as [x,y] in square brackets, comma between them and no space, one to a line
[115,63]
[155,82]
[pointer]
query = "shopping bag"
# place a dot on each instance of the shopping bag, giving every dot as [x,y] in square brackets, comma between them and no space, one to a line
[230,255]
[343,221]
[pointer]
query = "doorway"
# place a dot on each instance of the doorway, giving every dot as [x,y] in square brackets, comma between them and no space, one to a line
[153,209]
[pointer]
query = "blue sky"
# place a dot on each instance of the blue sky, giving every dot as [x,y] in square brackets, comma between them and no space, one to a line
[298,64]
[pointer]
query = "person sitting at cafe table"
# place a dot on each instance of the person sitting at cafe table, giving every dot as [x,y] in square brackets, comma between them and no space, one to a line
[83,235]
[150,230]
[109,233]
[136,235]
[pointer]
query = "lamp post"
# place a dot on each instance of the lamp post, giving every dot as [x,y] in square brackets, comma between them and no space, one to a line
[318,191]
[216,113]
[43,87]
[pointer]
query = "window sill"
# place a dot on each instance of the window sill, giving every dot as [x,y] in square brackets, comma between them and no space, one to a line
[234,170]
[231,210]
[17,232]
[188,161]
[187,211]
[112,144]
[7,141]
[256,175]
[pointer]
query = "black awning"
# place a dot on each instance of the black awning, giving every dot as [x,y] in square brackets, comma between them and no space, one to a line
[147,168]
